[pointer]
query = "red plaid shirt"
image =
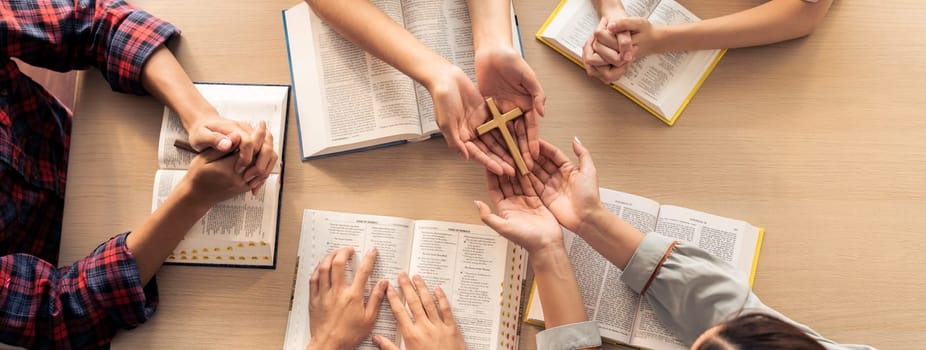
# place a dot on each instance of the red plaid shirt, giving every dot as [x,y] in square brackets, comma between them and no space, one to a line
[82,305]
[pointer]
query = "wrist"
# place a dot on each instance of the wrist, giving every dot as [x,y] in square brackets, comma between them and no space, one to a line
[442,76]
[549,257]
[187,197]
[594,221]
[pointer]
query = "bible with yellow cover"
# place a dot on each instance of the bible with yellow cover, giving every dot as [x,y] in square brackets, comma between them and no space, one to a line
[623,316]
[662,84]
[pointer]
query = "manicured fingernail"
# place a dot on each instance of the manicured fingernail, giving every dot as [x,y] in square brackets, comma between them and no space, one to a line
[225,144]
[577,140]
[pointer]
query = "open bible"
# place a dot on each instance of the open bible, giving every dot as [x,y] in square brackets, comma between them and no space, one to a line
[623,316]
[480,271]
[348,100]
[240,231]
[662,84]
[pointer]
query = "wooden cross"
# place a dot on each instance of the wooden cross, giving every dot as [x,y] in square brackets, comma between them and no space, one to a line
[499,121]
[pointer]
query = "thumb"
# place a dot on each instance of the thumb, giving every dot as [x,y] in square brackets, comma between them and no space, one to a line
[633,24]
[490,219]
[585,157]
[211,139]
[384,343]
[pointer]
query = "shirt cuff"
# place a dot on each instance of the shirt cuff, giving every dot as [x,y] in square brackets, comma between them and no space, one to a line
[645,260]
[133,41]
[114,283]
[571,336]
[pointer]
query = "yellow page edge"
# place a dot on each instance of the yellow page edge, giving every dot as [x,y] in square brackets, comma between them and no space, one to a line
[755,259]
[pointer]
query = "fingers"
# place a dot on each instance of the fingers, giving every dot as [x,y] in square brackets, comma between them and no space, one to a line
[493,221]
[398,308]
[384,343]
[444,306]
[263,165]
[495,147]
[430,307]
[632,24]
[553,154]
[585,157]
[505,185]
[522,139]
[324,272]
[516,185]
[624,46]
[533,133]
[249,145]
[211,139]
[495,166]
[376,298]
[607,53]
[454,142]
[339,266]
[212,155]
[527,188]
[411,298]
[365,270]
[314,286]
[495,193]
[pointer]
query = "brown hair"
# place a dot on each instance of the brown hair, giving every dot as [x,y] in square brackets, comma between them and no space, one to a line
[758,331]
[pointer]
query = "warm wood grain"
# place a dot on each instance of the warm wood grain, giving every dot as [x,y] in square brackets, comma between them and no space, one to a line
[821,141]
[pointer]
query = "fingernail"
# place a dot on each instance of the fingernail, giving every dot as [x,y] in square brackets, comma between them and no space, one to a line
[241,170]
[252,177]
[372,251]
[478,207]
[577,140]
[225,144]
[418,278]
[376,340]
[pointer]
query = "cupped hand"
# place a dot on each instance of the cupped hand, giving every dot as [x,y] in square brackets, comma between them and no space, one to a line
[501,73]
[338,316]
[569,190]
[431,324]
[459,109]
[522,217]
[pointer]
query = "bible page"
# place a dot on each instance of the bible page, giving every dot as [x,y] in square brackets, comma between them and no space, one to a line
[733,241]
[664,81]
[392,238]
[243,103]
[237,231]
[467,262]
[346,98]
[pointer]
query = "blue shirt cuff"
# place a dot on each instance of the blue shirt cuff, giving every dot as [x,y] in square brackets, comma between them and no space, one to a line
[571,336]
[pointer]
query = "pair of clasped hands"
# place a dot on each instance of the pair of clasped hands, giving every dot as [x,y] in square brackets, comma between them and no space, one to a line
[529,211]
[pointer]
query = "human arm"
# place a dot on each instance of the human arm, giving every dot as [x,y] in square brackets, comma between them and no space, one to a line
[690,289]
[431,324]
[458,106]
[339,317]
[771,22]
[523,219]
[164,78]
[501,72]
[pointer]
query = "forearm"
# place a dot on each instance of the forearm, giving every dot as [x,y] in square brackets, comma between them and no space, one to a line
[559,291]
[160,233]
[367,26]
[768,23]
[615,239]
[491,20]
[165,79]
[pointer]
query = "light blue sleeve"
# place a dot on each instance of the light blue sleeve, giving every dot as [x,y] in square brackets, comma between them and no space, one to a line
[570,337]
[694,290]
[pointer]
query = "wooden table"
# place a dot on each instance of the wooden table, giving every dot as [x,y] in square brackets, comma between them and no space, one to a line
[822,141]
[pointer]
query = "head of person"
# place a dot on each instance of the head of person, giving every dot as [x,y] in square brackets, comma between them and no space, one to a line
[755,331]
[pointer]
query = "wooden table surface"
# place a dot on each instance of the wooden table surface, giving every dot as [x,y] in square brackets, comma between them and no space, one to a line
[822,141]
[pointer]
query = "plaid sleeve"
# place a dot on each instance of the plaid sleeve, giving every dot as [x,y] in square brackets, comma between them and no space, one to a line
[75,307]
[62,35]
